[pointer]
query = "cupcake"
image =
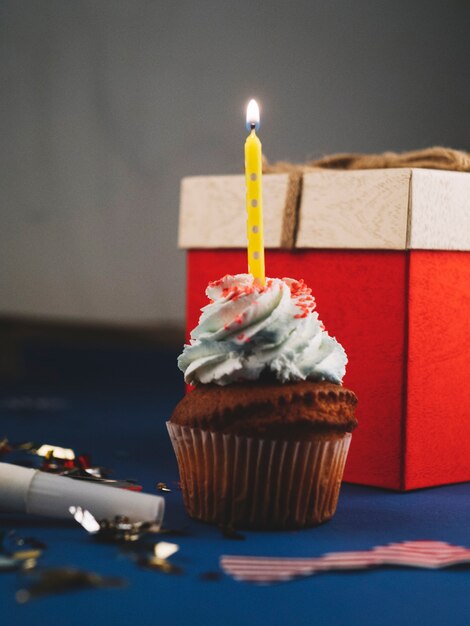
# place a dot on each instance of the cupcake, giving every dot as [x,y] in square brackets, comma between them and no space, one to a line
[262,440]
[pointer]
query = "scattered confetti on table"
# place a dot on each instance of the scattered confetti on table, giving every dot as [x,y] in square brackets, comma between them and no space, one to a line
[158,560]
[18,553]
[59,460]
[63,579]
[118,529]
[163,487]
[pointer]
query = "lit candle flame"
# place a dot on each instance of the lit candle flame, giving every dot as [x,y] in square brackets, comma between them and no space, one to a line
[252,115]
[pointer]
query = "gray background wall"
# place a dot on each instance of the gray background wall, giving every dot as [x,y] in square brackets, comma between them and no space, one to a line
[106,105]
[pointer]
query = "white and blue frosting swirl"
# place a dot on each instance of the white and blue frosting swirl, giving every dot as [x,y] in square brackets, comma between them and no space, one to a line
[247,330]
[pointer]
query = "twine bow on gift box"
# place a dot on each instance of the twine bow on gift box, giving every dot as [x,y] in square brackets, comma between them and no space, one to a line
[430,158]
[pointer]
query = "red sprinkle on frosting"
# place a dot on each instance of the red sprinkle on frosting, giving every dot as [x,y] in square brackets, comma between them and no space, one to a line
[302,295]
[234,292]
[218,282]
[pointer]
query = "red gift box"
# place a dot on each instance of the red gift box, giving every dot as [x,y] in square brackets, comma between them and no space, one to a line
[387,255]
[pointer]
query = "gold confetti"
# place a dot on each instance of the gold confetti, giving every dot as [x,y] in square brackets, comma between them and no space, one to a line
[159,559]
[62,579]
[118,529]
[163,487]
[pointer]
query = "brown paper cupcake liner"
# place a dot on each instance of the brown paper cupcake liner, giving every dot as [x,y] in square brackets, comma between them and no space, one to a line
[258,483]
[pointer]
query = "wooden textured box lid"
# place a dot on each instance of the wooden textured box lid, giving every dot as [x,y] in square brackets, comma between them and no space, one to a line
[386,209]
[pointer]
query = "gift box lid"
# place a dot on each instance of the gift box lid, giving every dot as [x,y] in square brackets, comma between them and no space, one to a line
[385,209]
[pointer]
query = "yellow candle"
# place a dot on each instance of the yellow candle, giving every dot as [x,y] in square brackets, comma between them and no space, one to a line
[254,196]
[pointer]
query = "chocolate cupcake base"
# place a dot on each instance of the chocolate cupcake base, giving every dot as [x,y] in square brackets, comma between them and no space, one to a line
[250,482]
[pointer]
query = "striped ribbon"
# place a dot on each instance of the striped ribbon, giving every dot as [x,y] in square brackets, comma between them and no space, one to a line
[423,554]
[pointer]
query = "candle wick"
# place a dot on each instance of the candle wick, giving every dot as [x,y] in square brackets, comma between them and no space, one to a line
[252,125]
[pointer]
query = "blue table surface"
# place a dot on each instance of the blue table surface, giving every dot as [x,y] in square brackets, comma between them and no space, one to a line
[119,418]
